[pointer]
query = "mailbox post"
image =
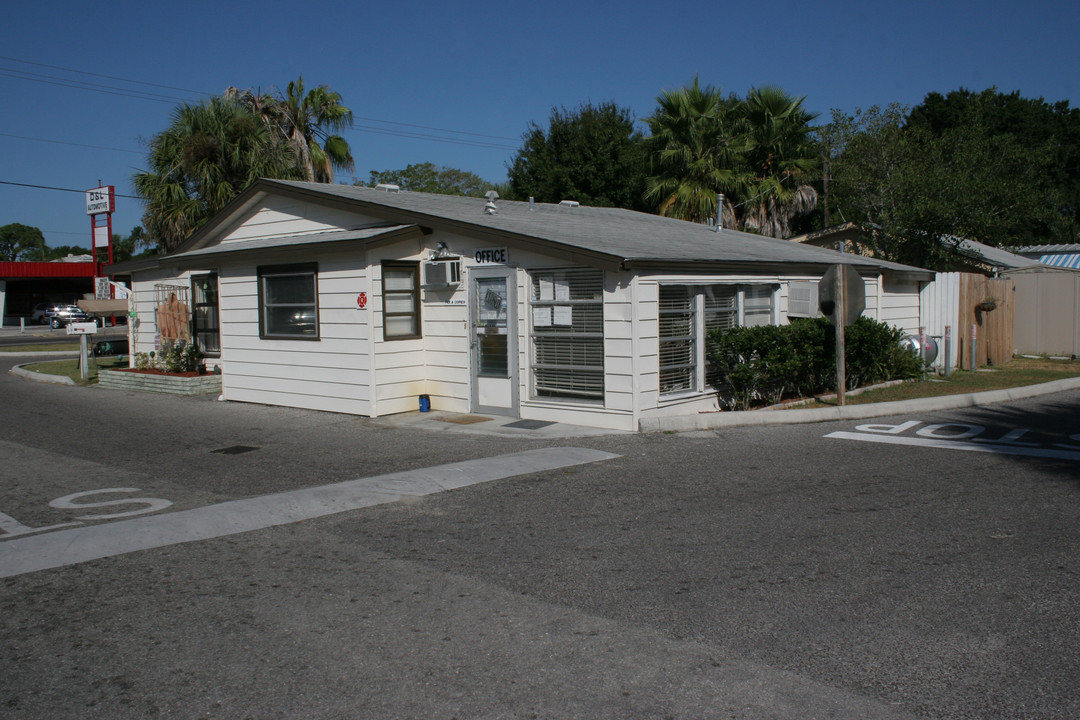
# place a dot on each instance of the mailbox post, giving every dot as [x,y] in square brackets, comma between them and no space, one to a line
[82,330]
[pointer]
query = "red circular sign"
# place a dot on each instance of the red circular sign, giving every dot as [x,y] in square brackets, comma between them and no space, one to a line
[361,300]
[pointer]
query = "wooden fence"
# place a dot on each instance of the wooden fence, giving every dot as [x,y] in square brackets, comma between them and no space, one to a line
[1047,310]
[993,327]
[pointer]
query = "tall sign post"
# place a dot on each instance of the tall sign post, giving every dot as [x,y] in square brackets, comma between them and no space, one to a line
[100,205]
[841,299]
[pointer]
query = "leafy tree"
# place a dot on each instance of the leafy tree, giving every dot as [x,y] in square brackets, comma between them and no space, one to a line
[592,155]
[694,150]
[20,242]
[209,154]
[429,178]
[915,193]
[1048,133]
[780,157]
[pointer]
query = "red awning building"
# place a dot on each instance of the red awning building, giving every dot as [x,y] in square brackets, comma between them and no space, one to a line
[25,284]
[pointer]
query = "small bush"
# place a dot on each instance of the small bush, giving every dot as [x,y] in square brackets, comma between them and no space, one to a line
[764,364]
[175,357]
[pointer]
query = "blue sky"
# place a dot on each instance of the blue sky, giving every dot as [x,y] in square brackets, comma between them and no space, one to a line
[482,71]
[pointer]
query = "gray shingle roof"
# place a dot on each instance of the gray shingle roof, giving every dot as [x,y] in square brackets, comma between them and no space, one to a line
[622,235]
[993,255]
[278,242]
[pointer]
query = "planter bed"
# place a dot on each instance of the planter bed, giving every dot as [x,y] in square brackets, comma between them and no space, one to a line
[153,381]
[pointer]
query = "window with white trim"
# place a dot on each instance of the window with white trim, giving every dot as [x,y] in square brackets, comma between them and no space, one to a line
[401,300]
[567,332]
[289,301]
[688,312]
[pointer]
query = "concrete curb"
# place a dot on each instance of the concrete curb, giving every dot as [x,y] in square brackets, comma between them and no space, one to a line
[711,421]
[41,377]
[47,353]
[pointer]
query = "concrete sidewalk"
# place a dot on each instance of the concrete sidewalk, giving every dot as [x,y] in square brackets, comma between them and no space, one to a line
[494,425]
[709,421]
[511,427]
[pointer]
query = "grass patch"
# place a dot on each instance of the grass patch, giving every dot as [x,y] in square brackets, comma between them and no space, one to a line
[42,347]
[1018,373]
[70,368]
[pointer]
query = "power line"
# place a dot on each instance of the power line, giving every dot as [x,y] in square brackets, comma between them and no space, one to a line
[422,136]
[88,85]
[108,77]
[73,84]
[61,142]
[50,187]
[426,127]
[65,232]
[158,97]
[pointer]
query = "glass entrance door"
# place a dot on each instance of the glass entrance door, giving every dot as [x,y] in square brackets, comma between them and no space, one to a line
[493,339]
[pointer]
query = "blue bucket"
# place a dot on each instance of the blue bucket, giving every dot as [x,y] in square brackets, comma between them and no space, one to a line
[425,403]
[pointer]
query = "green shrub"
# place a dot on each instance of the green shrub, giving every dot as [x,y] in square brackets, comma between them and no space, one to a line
[175,357]
[763,364]
[874,354]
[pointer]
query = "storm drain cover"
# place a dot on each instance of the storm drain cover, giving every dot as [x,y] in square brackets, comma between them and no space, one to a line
[234,450]
[529,424]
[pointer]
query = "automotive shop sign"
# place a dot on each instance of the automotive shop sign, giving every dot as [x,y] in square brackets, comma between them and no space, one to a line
[101,200]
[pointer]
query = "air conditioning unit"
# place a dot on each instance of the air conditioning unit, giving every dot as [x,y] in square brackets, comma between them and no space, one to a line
[442,273]
[803,299]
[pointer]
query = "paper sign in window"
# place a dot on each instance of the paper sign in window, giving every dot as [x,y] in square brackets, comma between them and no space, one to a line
[541,317]
[562,290]
[564,315]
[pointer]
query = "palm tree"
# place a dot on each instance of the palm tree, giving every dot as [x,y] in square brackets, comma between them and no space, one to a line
[780,157]
[694,151]
[311,119]
[208,155]
[303,121]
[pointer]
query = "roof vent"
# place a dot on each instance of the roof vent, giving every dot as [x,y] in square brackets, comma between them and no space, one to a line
[570,203]
[388,187]
[489,207]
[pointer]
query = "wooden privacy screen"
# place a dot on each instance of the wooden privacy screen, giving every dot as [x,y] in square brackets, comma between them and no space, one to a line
[994,328]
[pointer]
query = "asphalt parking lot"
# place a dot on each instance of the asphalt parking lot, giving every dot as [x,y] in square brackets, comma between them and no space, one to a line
[755,572]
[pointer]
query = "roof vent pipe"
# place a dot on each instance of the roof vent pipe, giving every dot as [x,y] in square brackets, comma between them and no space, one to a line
[388,187]
[570,203]
[531,201]
[719,213]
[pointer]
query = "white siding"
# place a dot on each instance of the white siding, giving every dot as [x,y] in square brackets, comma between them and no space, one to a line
[289,216]
[332,373]
[401,372]
[619,386]
[899,304]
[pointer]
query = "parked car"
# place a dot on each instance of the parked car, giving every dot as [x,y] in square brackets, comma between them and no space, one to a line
[37,317]
[60,315]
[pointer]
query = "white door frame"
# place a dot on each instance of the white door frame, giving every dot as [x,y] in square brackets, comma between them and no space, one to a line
[491,393]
